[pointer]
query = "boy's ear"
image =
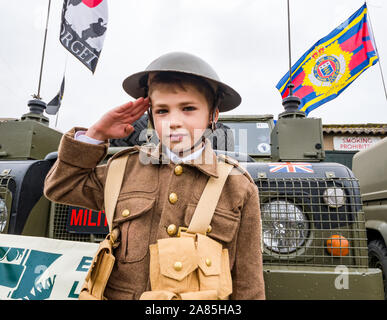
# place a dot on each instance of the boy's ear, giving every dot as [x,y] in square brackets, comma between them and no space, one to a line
[214,116]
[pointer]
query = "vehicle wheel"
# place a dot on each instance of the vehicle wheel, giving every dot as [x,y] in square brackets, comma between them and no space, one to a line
[377,258]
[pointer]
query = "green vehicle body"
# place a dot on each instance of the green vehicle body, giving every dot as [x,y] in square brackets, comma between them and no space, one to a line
[295,139]
[370,167]
[24,143]
[304,270]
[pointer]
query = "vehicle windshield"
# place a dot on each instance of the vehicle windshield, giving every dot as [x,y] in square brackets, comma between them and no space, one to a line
[252,138]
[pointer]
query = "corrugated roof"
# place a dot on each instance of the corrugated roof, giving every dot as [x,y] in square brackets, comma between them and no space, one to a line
[367,128]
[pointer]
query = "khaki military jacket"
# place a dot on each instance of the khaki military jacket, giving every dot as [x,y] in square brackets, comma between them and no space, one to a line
[156,194]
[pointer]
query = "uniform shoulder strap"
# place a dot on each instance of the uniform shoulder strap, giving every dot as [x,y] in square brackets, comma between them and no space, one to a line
[204,211]
[237,165]
[113,184]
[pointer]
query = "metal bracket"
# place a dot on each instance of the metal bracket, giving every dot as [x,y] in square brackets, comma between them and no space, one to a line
[5,172]
[330,174]
[262,175]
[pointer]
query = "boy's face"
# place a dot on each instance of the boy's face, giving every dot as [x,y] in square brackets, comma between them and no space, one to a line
[180,116]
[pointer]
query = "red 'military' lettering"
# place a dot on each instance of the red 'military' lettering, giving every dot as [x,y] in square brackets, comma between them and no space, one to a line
[106,223]
[99,218]
[85,218]
[89,223]
[76,219]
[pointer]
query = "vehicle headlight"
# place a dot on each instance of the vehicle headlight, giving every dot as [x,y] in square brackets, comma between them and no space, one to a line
[3,215]
[334,197]
[285,226]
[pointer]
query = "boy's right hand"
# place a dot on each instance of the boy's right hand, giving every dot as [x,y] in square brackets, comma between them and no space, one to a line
[117,123]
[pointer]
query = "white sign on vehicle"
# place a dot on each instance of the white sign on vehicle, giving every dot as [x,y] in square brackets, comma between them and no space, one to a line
[346,143]
[262,125]
[35,268]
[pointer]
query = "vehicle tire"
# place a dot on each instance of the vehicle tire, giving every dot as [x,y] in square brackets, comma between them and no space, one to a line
[377,258]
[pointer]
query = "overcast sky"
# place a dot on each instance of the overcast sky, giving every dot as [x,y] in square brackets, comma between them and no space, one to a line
[244,40]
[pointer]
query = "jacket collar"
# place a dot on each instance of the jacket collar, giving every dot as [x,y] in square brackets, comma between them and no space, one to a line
[206,162]
[177,159]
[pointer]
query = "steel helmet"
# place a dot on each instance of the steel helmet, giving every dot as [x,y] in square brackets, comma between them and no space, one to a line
[136,84]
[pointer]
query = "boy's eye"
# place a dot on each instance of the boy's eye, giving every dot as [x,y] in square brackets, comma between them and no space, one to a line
[189,108]
[161,111]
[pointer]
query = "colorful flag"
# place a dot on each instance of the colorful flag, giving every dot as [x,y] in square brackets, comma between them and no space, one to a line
[83,29]
[54,105]
[332,63]
[291,167]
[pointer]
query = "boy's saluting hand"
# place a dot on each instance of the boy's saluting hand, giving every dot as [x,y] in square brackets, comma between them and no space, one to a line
[117,123]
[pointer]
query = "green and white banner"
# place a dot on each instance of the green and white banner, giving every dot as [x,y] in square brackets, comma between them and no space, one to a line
[35,268]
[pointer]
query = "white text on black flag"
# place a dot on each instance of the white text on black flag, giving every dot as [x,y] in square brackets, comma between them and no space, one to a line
[83,29]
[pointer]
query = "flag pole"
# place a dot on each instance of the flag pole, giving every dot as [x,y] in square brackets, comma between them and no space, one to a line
[290,85]
[376,49]
[57,114]
[56,119]
[291,103]
[44,49]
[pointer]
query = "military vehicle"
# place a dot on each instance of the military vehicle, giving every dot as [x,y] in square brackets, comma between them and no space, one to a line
[314,238]
[306,205]
[24,143]
[370,167]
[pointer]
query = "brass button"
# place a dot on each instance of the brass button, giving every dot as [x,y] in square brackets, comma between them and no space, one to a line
[172,198]
[178,170]
[178,266]
[125,213]
[209,229]
[172,229]
[208,262]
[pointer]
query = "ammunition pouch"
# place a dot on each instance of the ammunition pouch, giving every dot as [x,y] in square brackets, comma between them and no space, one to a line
[189,267]
[100,269]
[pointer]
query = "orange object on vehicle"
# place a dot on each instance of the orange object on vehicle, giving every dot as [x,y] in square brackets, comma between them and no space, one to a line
[338,245]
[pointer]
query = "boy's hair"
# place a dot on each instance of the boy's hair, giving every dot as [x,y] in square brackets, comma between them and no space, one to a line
[181,80]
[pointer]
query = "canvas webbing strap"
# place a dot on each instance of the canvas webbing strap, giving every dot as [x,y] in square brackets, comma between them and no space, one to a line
[113,186]
[209,199]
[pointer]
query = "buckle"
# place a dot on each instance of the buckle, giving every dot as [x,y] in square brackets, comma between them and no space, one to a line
[181,229]
[114,235]
[185,229]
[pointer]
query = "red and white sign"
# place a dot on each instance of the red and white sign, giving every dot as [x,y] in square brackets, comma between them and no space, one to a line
[346,143]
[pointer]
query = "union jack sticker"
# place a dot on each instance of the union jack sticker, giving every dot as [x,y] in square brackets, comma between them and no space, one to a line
[291,167]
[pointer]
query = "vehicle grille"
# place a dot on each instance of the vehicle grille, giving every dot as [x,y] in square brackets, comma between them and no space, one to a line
[297,222]
[57,228]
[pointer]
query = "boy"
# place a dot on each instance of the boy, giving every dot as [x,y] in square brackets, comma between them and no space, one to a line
[184,96]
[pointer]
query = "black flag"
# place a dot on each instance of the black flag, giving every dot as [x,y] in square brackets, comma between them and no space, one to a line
[83,29]
[54,105]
